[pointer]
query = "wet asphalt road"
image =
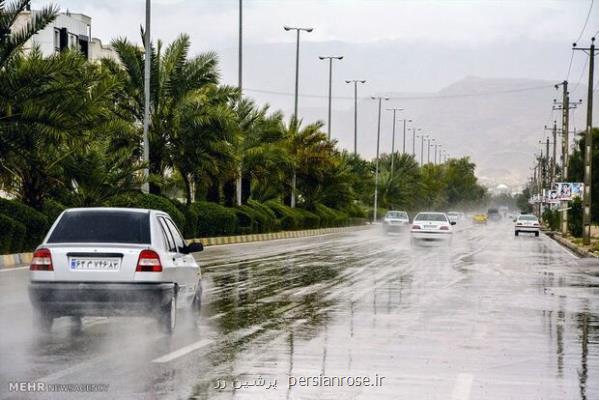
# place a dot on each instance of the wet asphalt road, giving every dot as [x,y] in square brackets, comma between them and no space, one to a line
[491,317]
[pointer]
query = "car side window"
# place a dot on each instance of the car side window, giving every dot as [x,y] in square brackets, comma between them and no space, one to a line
[179,242]
[167,234]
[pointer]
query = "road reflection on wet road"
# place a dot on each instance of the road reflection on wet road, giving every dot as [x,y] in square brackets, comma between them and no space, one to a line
[358,315]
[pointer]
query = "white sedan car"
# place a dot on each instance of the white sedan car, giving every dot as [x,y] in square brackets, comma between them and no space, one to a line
[395,221]
[113,261]
[527,223]
[431,226]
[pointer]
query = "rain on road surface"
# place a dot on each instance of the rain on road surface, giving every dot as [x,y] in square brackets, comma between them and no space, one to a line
[491,317]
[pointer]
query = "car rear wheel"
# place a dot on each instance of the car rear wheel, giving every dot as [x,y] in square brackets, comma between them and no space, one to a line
[536,234]
[168,316]
[43,321]
[516,233]
[196,304]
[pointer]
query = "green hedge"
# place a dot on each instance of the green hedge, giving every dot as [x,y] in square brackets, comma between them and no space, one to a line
[215,220]
[330,217]
[6,233]
[149,201]
[191,219]
[289,218]
[246,223]
[36,223]
[575,218]
[265,217]
[311,220]
[52,210]
[356,211]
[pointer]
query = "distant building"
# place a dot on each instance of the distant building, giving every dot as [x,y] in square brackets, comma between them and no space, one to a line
[68,31]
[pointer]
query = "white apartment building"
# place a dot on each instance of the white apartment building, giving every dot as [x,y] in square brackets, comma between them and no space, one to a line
[68,31]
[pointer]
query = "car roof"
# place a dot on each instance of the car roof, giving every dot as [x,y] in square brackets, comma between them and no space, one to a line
[125,209]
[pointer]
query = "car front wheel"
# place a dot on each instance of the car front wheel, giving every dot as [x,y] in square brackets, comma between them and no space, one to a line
[43,321]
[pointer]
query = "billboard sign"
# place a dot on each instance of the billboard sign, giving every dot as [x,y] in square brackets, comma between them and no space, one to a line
[567,190]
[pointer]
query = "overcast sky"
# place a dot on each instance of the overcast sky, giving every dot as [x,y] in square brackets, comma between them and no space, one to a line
[402,47]
[473,24]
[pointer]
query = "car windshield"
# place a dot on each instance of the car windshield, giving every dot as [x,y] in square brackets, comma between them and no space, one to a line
[396,214]
[493,211]
[102,227]
[527,218]
[431,217]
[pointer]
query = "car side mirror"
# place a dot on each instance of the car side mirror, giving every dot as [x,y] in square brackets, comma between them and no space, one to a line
[452,222]
[193,247]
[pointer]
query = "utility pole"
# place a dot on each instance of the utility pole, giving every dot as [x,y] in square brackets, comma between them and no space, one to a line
[355,82]
[552,174]
[588,146]
[393,137]
[378,142]
[295,116]
[330,58]
[238,183]
[145,188]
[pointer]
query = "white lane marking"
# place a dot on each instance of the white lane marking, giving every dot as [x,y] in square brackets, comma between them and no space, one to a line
[555,243]
[14,269]
[182,351]
[462,387]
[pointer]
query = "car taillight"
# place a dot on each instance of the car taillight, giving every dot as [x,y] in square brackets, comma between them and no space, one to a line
[41,261]
[444,228]
[415,226]
[149,261]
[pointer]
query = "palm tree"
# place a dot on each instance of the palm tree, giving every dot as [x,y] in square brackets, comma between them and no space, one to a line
[11,39]
[174,79]
[259,146]
[49,107]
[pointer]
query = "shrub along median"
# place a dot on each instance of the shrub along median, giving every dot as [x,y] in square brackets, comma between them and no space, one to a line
[23,228]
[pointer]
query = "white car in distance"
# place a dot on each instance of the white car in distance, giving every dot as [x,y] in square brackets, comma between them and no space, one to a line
[395,221]
[527,223]
[431,226]
[113,262]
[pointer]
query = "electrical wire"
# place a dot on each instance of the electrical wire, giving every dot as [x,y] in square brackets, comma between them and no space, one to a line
[431,97]
[586,21]
[581,75]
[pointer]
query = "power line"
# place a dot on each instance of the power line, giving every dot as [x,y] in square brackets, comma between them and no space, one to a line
[432,97]
[581,75]
[586,21]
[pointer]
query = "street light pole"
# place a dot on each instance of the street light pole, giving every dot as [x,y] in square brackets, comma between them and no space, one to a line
[428,157]
[393,137]
[295,116]
[330,58]
[403,151]
[414,141]
[147,69]
[355,82]
[422,138]
[378,141]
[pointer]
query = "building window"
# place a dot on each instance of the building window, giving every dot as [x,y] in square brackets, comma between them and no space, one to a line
[56,40]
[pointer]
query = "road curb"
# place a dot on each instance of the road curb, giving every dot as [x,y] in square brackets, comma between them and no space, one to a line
[259,237]
[8,261]
[570,246]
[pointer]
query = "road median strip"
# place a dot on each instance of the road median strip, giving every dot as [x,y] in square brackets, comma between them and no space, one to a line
[12,261]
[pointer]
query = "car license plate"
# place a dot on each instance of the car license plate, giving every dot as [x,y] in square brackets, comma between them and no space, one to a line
[95,264]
